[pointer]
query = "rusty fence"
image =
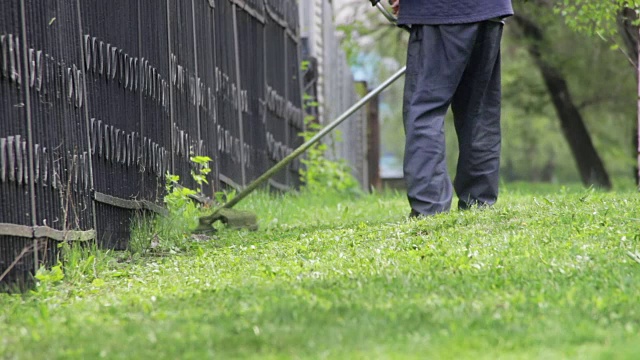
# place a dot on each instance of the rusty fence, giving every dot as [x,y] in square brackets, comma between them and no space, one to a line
[99,100]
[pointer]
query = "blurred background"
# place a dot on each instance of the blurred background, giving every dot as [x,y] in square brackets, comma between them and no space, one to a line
[569,89]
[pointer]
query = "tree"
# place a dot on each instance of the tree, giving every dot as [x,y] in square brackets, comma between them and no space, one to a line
[590,165]
[605,18]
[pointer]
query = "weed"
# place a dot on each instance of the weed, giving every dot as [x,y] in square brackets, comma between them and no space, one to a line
[171,234]
[320,174]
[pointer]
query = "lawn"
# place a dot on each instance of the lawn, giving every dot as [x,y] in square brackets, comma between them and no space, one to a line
[548,273]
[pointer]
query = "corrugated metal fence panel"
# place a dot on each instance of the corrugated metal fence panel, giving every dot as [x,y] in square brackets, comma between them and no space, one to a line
[100,100]
[205,41]
[277,133]
[155,100]
[15,195]
[112,55]
[59,152]
[228,130]
[184,79]
[250,19]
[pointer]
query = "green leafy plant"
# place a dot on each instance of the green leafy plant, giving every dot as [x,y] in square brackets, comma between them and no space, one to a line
[48,278]
[171,234]
[594,17]
[51,276]
[225,196]
[178,196]
[320,174]
[200,177]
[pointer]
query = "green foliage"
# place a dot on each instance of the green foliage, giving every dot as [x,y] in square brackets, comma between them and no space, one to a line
[48,279]
[550,272]
[171,234]
[80,264]
[177,197]
[85,262]
[320,174]
[50,276]
[202,163]
[594,16]
[225,196]
[349,42]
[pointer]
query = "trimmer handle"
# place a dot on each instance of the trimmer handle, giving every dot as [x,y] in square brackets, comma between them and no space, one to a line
[392,19]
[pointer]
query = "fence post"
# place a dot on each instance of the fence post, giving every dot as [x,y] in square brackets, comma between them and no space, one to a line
[239,94]
[86,118]
[171,90]
[371,139]
[373,143]
[27,97]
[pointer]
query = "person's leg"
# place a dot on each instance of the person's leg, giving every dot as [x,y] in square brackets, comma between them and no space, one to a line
[436,59]
[476,111]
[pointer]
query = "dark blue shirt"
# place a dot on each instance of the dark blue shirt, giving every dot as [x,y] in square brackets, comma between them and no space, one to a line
[441,12]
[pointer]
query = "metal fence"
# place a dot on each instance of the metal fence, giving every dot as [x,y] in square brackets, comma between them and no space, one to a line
[100,99]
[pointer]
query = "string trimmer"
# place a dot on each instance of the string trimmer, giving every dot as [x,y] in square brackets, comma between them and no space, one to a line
[246,219]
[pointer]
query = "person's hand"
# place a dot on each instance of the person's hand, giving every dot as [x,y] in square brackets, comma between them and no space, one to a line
[395,6]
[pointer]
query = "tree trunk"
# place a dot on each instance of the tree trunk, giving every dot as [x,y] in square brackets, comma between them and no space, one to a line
[630,34]
[589,163]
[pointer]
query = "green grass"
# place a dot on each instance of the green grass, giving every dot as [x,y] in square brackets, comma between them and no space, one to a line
[545,274]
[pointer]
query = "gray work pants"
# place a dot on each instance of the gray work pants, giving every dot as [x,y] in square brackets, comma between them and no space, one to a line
[457,66]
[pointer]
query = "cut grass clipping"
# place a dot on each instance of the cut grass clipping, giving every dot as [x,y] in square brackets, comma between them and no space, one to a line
[547,273]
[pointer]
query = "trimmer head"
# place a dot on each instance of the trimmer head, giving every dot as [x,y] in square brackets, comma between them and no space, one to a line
[233,219]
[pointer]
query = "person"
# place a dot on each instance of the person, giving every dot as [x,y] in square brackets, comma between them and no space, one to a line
[453,60]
